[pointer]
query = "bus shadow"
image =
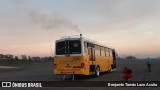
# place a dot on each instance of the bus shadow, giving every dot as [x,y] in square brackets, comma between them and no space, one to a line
[86,77]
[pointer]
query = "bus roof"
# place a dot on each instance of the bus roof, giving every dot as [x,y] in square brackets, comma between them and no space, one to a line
[77,37]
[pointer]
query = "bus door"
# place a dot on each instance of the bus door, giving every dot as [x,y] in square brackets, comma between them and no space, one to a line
[91,51]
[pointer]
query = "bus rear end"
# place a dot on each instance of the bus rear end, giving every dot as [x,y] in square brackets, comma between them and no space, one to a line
[69,57]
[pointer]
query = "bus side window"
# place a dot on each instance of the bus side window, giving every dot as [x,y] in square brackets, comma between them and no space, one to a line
[106,52]
[97,52]
[86,48]
[89,45]
[102,51]
[110,53]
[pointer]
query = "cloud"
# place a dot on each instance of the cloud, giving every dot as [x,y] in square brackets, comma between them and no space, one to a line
[124,15]
[149,33]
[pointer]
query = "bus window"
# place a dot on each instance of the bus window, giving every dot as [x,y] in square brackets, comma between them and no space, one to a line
[68,47]
[110,52]
[85,48]
[74,47]
[97,50]
[102,51]
[60,48]
[107,52]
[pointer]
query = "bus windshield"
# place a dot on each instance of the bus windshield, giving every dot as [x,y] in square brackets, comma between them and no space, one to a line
[68,47]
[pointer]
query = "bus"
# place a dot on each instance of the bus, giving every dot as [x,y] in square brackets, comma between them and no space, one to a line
[81,56]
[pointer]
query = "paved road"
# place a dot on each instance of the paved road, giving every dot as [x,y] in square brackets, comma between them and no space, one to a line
[43,72]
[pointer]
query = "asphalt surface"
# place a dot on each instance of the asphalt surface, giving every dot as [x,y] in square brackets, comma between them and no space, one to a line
[43,71]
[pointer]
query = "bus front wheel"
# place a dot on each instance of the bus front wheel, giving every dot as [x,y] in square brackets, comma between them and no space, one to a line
[97,71]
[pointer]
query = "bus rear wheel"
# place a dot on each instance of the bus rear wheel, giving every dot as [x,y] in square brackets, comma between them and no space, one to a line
[110,68]
[97,71]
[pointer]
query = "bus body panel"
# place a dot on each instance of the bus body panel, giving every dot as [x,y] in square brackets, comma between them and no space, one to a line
[71,65]
[103,62]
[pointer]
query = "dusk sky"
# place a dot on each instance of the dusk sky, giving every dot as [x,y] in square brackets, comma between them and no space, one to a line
[30,27]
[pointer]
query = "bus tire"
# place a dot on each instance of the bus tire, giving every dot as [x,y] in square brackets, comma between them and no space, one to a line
[110,68]
[97,71]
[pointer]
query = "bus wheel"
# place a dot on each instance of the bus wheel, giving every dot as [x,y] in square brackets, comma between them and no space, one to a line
[110,68]
[97,71]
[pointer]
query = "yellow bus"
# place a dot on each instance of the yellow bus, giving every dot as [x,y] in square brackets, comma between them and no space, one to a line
[81,56]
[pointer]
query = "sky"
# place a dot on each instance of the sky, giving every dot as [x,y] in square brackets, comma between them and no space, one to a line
[31,27]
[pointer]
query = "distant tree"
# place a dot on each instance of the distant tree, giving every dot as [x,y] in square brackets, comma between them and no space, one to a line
[11,57]
[1,56]
[130,58]
[24,57]
[50,58]
[29,57]
[38,58]
[16,57]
